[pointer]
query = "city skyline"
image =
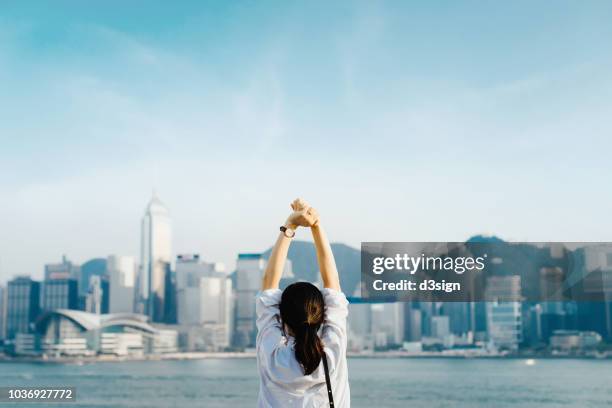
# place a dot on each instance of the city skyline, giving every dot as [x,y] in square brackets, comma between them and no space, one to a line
[400,122]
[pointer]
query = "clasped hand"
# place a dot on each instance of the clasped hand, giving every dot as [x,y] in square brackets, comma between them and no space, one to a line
[303,215]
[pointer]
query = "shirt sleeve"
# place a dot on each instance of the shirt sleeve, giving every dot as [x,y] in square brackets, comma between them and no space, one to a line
[268,316]
[334,334]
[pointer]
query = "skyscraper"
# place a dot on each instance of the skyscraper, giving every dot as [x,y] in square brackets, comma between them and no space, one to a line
[93,267]
[204,303]
[598,260]
[60,294]
[155,256]
[504,323]
[93,300]
[249,271]
[63,270]
[23,305]
[2,312]
[170,310]
[387,323]
[121,274]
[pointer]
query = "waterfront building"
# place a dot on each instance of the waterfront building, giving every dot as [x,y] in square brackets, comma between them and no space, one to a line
[249,272]
[76,333]
[440,327]
[60,294]
[598,265]
[155,256]
[204,303]
[574,340]
[204,337]
[504,313]
[552,314]
[122,344]
[359,322]
[2,312]
[460,317]
[413,327]
[388,324]
[22,305]
[170,302]
[121,274]
[24,344]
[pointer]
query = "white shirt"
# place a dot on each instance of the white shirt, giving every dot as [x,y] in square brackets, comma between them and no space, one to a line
[282,380]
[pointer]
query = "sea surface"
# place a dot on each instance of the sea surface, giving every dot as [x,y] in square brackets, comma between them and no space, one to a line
[375,383]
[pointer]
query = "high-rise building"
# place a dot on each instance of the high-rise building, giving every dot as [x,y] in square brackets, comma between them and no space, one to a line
[208,304]
[504,313]
[204,303]
[359,322]
[22,305]
[121,274]
[459,317]
[2,312]
[170,311]
[413,327]
[63,270]
[249,272]
[190,268]
[598,264]
[60,294]
[155,256]
[440,327]
[93,302]
[359,326]
[388,324]
[93,267]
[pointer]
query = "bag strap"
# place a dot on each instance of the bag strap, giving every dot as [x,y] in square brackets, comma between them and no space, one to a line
[328,381]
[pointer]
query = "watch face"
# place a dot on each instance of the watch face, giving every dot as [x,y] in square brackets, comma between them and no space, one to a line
[289,233]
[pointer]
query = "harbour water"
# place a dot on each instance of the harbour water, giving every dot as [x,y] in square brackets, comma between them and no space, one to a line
[384,382]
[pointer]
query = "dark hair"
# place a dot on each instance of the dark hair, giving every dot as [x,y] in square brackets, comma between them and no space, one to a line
[302,310]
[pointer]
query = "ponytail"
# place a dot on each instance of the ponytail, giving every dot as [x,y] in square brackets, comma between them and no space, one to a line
[308,348]
[302,311]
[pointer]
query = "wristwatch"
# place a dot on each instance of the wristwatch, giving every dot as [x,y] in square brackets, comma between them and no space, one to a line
[288,232]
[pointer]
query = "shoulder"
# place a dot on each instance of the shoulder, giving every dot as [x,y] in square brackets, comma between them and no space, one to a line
[334,297]
[269,297]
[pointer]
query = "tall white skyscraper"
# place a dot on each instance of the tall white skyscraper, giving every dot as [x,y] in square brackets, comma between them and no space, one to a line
[121,274]
[155,257]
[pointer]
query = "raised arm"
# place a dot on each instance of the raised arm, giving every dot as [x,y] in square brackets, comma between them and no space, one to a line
[278,257]
[276,263]
[325,257]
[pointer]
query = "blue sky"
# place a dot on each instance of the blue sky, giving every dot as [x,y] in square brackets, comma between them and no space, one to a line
[399,120]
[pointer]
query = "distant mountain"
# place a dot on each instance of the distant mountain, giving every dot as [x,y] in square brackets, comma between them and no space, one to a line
[304,261]
[485,239]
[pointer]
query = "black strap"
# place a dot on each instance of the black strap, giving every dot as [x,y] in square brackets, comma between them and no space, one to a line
[328,381]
